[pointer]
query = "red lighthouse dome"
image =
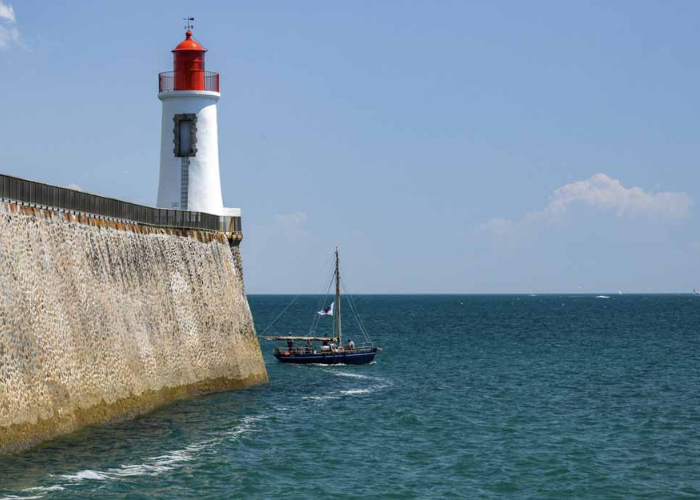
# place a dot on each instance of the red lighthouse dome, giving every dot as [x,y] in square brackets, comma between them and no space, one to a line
[188,69]
[188,64]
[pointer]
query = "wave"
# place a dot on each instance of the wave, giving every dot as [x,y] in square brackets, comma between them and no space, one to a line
[45,488]
[319,398]
[154,466]
[352,392]
[33,491]
[245,426]
[172,460]
[352,375]
[15,497]
[85,474]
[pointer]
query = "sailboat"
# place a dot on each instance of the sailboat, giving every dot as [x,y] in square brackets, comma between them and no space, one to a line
[332,351]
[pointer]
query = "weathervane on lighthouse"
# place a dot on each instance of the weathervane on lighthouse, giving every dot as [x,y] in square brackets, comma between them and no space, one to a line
[189,153]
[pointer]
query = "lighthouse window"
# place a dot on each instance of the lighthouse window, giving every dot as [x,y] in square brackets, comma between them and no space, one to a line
[185,135]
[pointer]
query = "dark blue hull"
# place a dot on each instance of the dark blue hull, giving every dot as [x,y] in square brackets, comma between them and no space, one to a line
[356,357]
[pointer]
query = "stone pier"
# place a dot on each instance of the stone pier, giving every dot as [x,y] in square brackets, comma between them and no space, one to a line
[103,320]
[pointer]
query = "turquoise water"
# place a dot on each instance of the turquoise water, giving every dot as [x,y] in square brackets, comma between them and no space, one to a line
[473,396]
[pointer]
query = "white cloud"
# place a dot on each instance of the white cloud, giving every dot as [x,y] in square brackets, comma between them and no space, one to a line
[7,12]
[291,225]
[75,187]
[9,33]
[295,219]
[602,193]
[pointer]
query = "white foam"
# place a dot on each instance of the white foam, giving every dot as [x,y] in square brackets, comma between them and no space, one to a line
[319,398]
[155,466]
[45,488]
[15,497]
[246,425]
[352,375]
[351,392]
[140,470]
[85,474]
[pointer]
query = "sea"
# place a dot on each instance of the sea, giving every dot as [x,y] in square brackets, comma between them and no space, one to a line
[500,396]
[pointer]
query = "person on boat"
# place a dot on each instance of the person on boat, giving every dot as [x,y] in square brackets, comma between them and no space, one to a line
[351,345]
[290,345]
[309,346]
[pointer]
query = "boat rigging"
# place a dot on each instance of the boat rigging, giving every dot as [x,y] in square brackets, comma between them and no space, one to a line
[332,350]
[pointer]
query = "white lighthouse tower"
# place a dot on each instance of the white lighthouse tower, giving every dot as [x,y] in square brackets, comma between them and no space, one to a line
[189,151]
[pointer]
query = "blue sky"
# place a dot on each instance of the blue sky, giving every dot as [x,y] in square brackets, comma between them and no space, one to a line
[451,146]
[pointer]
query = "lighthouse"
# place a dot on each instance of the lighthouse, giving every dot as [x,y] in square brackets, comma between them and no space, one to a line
[189,151]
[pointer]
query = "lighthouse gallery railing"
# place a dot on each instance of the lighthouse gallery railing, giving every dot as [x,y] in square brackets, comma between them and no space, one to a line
[168,82]
[55,197]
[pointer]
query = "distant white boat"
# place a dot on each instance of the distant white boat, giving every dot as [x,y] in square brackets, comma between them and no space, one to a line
[695,292]
[619,292]
[602,297]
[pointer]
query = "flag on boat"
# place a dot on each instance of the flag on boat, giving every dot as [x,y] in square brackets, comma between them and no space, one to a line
[327,311]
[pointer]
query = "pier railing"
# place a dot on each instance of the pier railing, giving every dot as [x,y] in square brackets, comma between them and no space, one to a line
[47,196]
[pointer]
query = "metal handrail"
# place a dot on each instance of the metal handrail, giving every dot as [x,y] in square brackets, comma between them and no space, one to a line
[55,197]
[168,81]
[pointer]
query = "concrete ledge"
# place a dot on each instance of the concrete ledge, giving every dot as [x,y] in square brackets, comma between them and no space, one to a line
[134,227]
[179,94]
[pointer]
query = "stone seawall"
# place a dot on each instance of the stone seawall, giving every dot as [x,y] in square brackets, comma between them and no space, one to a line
[101,321]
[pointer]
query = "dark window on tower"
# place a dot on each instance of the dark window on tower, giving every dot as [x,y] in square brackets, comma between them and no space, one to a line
[185,135]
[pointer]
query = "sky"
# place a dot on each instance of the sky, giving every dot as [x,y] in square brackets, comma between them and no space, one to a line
[446,147]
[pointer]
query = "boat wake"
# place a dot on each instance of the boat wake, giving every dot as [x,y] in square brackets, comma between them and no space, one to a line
[319,398]
[353,375]
[180,458]
[247,425]
[152,466]
[352,392]
[376,384]
[347,392]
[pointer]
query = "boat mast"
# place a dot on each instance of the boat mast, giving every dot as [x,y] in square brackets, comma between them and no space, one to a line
[337,295]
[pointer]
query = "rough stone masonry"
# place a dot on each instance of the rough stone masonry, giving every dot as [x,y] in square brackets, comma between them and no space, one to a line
[101,321]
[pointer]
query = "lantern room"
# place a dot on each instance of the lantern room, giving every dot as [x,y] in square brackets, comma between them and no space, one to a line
[189,70]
